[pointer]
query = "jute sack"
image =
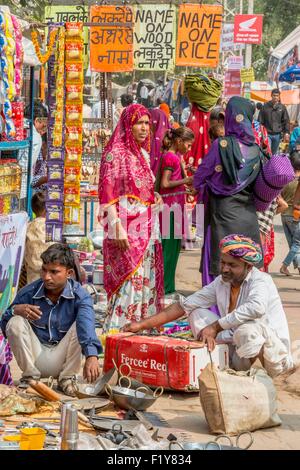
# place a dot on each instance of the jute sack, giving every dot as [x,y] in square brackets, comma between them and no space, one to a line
[237,401]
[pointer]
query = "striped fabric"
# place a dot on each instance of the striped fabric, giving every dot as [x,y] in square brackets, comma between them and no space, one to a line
[241,247]
[5,358]
[265,218]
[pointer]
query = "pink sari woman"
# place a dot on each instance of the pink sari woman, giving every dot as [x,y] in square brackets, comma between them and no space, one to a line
[133,263]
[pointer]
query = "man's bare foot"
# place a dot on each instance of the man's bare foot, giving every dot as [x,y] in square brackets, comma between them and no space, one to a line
[284,270]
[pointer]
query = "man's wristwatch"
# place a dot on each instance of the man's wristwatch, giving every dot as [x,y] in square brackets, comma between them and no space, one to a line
[12,310]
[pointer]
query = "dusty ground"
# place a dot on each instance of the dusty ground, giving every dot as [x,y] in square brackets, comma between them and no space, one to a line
[184,411]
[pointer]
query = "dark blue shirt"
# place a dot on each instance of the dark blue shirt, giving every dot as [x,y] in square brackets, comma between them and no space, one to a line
[74,304]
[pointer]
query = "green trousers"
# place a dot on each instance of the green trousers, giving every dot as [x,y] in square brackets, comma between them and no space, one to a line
[171,249]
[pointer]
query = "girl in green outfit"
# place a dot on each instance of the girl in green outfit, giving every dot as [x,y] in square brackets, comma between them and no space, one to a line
[170,183]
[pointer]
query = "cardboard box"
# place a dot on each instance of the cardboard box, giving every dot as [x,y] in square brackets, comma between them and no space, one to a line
[162,361]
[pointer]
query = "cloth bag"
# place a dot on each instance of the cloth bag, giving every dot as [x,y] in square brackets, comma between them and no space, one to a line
[203,91]
[273,176]
[234,402]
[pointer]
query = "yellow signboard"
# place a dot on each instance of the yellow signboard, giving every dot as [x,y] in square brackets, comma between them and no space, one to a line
[70,13]
[247,75]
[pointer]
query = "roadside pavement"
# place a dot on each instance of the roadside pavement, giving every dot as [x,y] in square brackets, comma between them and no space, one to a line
[184,410]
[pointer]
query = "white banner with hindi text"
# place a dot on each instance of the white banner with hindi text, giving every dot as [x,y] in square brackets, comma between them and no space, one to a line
[12,244]
[154,37]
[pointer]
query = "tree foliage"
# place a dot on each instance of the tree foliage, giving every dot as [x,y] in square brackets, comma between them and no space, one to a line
[28,9]
[281,17]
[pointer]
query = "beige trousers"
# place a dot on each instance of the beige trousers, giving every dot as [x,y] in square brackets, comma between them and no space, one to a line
[246,341]
[37,360]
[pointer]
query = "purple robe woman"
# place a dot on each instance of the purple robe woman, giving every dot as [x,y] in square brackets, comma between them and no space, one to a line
[225,183]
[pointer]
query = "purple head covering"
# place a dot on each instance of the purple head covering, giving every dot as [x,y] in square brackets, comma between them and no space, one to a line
[238,120]
[160,125]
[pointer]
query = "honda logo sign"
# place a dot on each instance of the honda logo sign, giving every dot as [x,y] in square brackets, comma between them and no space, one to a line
[248,29]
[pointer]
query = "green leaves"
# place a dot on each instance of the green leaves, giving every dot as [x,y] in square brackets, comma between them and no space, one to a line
[280,19]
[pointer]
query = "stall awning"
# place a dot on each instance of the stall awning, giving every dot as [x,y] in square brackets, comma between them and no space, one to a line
[288,97]
[284,55]
[292,40]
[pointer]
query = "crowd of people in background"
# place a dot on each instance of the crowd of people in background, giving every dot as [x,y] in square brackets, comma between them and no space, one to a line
[154,162]
[273,133]
[263,131]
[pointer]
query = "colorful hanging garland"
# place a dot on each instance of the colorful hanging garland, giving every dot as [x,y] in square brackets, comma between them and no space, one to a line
[55,154]
[60,93]
[73,109]
[35,36]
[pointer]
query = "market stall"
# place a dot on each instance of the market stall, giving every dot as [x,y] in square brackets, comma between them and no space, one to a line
[14,138]
[77,89]
[77,54]
[15,143]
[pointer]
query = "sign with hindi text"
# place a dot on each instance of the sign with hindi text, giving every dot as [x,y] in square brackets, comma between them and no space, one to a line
[235,62]
[70,13]
[12,244]
[247,75]
[154,37]
[111,43]
[233,84]
[248,29]
[199,35]
[227,43]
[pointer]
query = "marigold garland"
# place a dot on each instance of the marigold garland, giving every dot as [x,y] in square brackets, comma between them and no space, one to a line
[43,58]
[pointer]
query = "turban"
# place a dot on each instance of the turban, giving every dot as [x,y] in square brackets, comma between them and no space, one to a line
[241,247]
[165,108]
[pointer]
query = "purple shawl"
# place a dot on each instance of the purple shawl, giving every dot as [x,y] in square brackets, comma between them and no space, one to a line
[238,120]
[160,125]
[238,124]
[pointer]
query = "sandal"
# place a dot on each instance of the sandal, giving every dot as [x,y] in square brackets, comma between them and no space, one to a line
[284,270]
[68,387]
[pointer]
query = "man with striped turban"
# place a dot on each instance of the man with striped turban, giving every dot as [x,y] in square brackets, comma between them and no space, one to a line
[252,320]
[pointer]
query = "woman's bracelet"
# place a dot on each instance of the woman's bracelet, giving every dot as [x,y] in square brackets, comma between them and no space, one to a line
[115,221]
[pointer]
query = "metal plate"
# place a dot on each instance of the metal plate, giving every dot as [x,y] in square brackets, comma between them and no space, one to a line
[107,424]
[87,404]
[97,388]
[200,446]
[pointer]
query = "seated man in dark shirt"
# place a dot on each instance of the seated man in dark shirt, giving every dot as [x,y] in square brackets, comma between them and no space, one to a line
[51,322]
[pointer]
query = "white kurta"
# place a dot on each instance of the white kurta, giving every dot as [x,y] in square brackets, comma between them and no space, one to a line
[258,300]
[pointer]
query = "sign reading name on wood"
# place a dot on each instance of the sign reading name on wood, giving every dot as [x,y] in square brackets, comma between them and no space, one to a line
[111,43]
[154,37]
[199,35]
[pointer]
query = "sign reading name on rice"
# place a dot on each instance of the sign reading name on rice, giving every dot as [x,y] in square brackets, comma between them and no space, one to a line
[199,35]
[154,37]
[70,13]
[111,43]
